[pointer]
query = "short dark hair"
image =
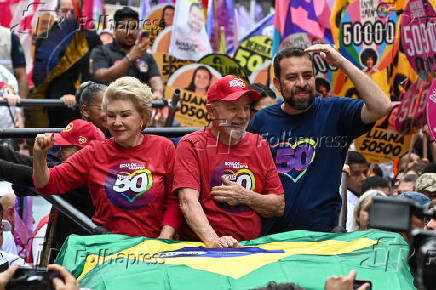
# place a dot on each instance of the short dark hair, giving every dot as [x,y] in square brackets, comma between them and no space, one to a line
[124,13]
[287,53]
[409,178]
[418,168]
[87,92]
[430,168]
[355,157]
[374,182]
[198,5]
[281,286]
[264,91]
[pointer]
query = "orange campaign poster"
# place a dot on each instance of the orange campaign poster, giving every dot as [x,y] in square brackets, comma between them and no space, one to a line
[193,80]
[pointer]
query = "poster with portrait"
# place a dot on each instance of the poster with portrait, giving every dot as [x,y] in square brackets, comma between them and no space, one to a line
[157,19]
[367,33]
[193,80]
[189,40]
[418,37]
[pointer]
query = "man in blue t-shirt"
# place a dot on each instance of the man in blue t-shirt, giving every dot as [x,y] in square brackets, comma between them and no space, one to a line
[309,136]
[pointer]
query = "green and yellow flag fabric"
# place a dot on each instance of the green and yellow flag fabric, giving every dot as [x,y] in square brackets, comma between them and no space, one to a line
[303,257]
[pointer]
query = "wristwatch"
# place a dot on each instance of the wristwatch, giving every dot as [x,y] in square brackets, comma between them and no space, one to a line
[128,58]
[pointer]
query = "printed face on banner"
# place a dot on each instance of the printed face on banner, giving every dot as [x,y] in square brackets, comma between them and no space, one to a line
[368,34]
[189,40]
[193,80]
[418,37]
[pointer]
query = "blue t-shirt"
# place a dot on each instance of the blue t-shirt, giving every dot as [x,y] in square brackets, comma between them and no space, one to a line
[309,150]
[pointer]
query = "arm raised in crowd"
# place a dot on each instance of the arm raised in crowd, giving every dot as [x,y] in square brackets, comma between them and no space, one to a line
[197,220]
[377,104]
[107,74]
[266,205]
[41,173]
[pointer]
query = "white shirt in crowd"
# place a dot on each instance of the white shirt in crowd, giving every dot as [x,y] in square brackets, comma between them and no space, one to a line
[351,204]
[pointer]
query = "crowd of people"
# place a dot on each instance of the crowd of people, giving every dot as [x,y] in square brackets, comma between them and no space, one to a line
[261,167]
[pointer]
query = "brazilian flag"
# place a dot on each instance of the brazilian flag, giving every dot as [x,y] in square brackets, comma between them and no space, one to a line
[303,257]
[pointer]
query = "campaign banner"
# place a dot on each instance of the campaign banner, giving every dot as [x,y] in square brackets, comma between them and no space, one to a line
[253,52]
[263,74]
[377,53]
[369,37]
[155,22]
[224,64]
[418,36]
[383,143]
[411,115]
[163,41]
[168,64]
[194,80]
[431,111]
[189,40]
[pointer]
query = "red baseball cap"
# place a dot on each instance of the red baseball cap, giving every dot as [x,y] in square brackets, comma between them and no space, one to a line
[79,133]
[230,88]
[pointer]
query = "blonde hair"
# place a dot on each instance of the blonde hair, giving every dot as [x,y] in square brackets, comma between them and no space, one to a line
[364,200]
[130,88]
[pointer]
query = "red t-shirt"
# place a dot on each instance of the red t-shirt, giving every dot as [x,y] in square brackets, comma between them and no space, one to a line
[200,163]
[130,187]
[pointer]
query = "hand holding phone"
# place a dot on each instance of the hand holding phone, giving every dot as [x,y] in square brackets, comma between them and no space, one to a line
[346,283]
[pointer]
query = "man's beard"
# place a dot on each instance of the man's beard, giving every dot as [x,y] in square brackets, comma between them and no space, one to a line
[125,46]
[300,105]
[234,132]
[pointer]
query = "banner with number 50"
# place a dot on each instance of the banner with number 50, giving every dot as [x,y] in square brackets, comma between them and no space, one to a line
[418,36]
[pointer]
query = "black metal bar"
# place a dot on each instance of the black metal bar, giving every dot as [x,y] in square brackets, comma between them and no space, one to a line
[59,103]
[173,107]
[75,215]
[32,132]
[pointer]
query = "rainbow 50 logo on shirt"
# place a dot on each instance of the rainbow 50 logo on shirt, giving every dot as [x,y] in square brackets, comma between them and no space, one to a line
[236,171]
[128,185]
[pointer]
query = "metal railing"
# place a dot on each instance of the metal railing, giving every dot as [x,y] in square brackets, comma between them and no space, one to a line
[169,132]
[59,103]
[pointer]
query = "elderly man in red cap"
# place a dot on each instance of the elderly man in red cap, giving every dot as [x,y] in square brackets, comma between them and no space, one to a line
[225,177]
